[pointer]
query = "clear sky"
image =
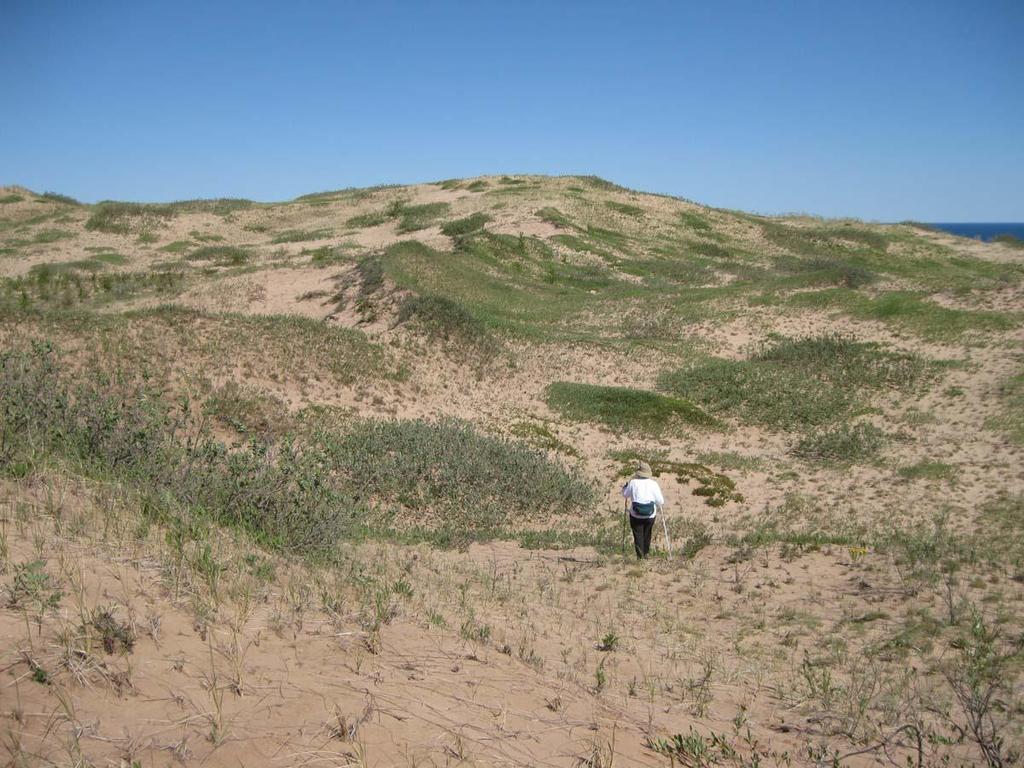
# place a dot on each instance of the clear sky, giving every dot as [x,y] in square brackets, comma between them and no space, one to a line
[884,110]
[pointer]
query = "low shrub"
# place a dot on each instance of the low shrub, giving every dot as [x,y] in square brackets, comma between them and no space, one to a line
[443,319]
[371,219]
[460,227]
[124,218]
[415,217]
[301,235]
[626,209]
[292,495]
[792,384]
[842,445]
[450,475]
[625,409]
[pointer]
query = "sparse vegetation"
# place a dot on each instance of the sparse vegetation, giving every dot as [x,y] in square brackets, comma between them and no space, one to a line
[193,498]
[227,255]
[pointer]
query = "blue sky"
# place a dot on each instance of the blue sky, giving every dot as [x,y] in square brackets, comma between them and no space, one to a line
[883,110]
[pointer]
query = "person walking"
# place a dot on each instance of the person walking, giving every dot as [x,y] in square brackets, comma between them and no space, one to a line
[643,499]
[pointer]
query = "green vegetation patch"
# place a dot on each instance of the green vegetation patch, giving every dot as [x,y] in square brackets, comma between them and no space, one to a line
[371,219]
[225,255]
[11,198]
[249,411]
[715,488]
[910,310]
[625,409]
[793,384]
[449,475]
[461,227]
[329,255]
[694,221]
[415,217]
[842,445]
[301,235]
[625,209]
[541,436]
[220,206]
[177,246]
[1011,420]
[928,470]
[52,236]
[124,218]
[554,216]
[444,319]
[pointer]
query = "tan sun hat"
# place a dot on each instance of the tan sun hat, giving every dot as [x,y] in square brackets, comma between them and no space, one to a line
[643,470]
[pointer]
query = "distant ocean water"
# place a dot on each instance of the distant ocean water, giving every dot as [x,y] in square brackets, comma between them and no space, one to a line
[983,231]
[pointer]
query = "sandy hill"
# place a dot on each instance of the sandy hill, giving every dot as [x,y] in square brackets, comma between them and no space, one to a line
[334,482]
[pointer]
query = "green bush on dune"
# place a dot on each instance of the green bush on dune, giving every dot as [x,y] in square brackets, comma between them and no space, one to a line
[793,384]
[623,408]
[293,495]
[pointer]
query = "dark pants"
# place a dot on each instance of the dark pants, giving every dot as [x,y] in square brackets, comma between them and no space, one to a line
[642,527]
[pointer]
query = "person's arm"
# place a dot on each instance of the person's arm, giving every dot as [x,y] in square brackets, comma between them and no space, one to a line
[659,499]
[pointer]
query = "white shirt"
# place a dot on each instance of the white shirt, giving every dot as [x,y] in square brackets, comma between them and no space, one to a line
[644,490]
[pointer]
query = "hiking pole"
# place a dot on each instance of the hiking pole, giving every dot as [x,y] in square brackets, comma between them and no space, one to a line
[664,526]
[622,548]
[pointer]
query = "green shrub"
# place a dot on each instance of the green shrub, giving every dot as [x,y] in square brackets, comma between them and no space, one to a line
[447,474]
[178,246]
[329,255]
[842,445]
[928,470]
[11,198]
[415,217]
[541,436]
[371,219]
[285,498]
[625,209]
[52,235]
[554,216]
[221,206]
[301,235]
[625,409]
[461,227]
[448,321]
[123,218]
[694,221]
[798,383]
